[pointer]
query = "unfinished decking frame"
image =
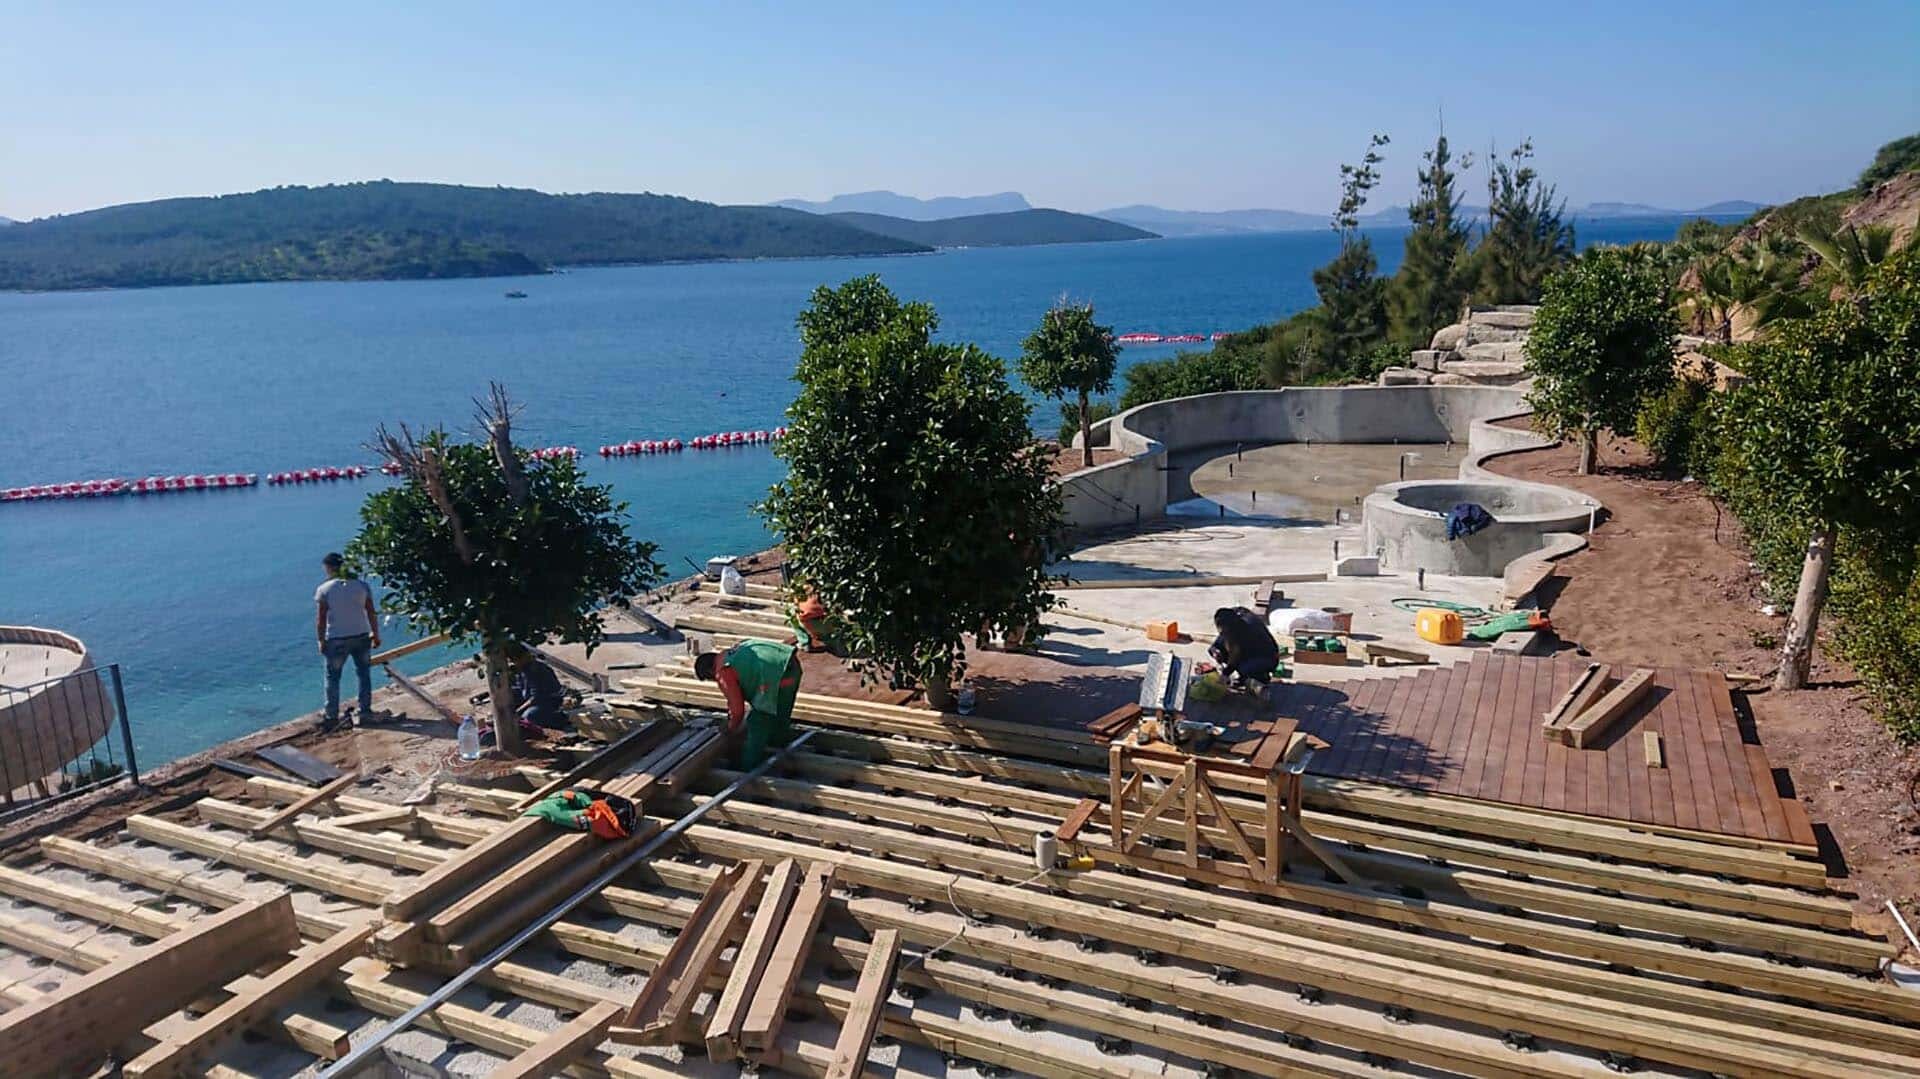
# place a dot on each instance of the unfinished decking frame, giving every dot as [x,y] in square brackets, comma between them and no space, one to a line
[1449,976]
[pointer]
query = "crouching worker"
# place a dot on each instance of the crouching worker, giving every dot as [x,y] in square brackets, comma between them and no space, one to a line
[760,679]
[538,697]
[1245,650]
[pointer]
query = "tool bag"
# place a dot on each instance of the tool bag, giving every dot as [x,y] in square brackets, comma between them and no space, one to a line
[608,816]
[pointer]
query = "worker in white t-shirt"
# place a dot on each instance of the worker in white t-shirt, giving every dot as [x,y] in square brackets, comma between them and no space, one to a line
[347,628]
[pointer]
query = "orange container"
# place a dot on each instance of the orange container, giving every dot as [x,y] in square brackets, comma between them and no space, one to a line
[1438,626]
[1163,631]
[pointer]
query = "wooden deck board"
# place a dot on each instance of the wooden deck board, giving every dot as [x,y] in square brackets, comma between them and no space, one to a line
[1473,730]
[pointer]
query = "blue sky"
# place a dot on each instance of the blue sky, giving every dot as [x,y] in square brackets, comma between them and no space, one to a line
[1192,106]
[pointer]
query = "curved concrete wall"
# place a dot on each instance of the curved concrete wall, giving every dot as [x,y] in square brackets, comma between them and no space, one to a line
[1135,490]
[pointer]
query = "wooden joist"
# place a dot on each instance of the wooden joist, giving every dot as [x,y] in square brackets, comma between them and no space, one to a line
[398,818]
[553,1053]
[1586,728]
[1656,750]
[862,1020]
[75,1028]
[632,744]
[663,1010]
[768,1006]
[1421,982]
[730,1008]
[309,966]
[326,793]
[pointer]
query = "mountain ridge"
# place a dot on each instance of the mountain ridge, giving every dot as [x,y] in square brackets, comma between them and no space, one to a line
[381,230]
[910,208]
[1228,222]
[1021,228]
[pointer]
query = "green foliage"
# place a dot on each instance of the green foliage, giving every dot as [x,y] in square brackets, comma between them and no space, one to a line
[1353,306]
[914,502]
[1826,432]
[389,230]
[1847,254]
[1896,157]
[1876,601]
[1353,296]
[1069,354]
[1602,343]
[1231,364]
[1679,424]
[1830,412]
[1070,419]
[1527,238]
[1431,286]
[541,568]
[1760,278]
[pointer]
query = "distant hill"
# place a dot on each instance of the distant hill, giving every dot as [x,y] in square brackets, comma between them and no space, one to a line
[891,204]
[1023,228]
[385,230]
[1212,222]
[5,221]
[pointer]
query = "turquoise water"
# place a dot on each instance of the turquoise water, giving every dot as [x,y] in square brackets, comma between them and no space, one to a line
[205,598]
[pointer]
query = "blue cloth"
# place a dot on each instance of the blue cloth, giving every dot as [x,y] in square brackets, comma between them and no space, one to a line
[338,651]
[1465,519]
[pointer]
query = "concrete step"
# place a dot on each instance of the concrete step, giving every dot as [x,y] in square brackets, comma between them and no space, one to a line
[1405,376]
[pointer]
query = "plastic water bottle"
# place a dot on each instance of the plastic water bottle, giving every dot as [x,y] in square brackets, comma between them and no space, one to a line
[469,739]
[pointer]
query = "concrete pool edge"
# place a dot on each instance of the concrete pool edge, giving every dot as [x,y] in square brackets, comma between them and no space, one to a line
[1137,489]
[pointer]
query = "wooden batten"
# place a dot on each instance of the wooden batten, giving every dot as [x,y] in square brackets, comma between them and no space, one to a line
[862,1020]
[760,1029]
[76,1027]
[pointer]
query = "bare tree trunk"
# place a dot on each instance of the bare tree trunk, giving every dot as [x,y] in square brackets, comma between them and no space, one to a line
[496,414]
[506,723]
[1796,654]
[1589,446]
[1086,433]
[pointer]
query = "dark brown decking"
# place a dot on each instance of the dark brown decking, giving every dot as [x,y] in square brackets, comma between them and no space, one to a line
[1473,730]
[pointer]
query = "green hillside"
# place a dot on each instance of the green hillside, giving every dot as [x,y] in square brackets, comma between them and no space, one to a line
[1019,229]
[385,230]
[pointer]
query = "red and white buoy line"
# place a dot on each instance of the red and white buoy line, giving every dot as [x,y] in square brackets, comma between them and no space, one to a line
[1168,338]
[156,485]
[642,446]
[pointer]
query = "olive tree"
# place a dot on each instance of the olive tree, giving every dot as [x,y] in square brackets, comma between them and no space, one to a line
[1070,354]
[483,543]
[1829,422]
[1602,343]
[915,503]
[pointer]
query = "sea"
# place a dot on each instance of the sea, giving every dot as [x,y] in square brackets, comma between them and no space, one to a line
[204,599]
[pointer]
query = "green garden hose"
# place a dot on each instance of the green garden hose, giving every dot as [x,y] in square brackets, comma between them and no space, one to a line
[1412,604]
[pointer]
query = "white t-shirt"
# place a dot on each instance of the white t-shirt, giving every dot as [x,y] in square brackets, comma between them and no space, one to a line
[346,600]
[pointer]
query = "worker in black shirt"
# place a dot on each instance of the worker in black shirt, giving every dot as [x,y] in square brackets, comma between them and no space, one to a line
[537,695]
[1243,648]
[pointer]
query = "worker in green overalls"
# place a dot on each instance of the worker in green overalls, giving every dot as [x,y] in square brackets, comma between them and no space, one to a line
[760,679]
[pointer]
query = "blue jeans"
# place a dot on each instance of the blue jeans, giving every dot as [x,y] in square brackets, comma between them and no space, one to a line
[336,652]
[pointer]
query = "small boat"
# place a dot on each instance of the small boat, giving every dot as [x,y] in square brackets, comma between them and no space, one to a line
[516,294]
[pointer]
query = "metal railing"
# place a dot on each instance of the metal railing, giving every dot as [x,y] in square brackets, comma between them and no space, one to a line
[62,738]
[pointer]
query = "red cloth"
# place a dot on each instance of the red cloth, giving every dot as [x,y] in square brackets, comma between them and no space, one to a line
[729,680]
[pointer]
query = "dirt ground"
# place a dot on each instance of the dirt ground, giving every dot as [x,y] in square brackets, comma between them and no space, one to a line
[1067,460]
[1668,580]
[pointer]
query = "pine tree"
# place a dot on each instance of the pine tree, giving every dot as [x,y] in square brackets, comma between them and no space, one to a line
[1434,277]
[1353,298]
[1527,236]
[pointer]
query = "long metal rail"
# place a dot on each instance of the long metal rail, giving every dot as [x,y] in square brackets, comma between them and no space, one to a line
[363,1052]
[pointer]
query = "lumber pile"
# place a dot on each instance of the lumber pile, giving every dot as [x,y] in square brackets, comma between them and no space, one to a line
[1593,705]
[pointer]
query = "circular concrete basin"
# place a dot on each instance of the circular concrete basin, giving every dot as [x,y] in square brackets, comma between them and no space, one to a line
[53,706]
[1406,523]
